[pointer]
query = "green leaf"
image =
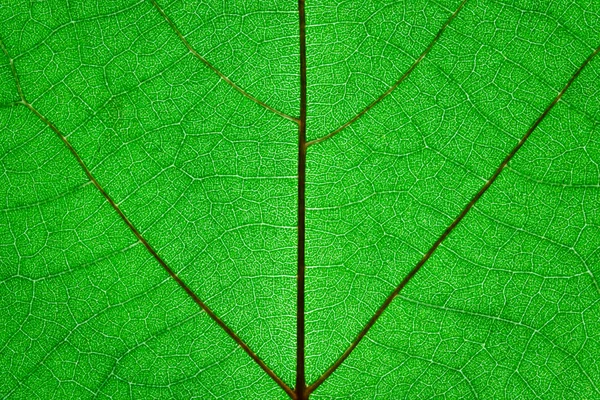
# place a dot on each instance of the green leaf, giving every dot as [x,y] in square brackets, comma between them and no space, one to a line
[271,199]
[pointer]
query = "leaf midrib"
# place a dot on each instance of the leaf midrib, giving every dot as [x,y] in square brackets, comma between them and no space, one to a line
[301,391]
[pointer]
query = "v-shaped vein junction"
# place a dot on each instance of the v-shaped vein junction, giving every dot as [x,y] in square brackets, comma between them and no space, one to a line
[301,391]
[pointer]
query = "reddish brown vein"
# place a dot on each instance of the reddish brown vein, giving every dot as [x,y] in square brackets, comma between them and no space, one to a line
[139,236]
[300,388]
[396,84]
[449,229]
[214,69]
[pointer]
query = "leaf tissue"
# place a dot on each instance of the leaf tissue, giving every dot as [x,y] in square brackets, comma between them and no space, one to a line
[273,199]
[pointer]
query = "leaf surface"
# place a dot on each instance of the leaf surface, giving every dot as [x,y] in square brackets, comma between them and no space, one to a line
[183,183]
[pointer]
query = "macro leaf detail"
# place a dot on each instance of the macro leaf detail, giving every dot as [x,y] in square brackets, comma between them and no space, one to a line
[276,199]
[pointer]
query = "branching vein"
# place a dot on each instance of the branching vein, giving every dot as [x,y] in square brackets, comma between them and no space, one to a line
[449,229]
[396,84]
[137,233]
[214,69]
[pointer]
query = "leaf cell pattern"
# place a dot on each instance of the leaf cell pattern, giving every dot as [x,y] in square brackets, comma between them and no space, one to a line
[273,199]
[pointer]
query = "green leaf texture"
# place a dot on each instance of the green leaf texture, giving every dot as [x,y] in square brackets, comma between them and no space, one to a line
[270,199]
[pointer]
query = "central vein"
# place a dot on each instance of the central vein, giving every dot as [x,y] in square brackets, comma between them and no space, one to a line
[300,389]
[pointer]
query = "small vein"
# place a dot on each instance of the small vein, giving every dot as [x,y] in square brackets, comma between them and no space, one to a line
[139,236]
[535,331]
[65,339]
[47,200]
[449,229]
[214,69]
[396,84]
[430,362]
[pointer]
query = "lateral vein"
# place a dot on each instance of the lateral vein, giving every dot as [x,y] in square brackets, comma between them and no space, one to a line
[449,229]
[395,85]
[214,69]
[140,237]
